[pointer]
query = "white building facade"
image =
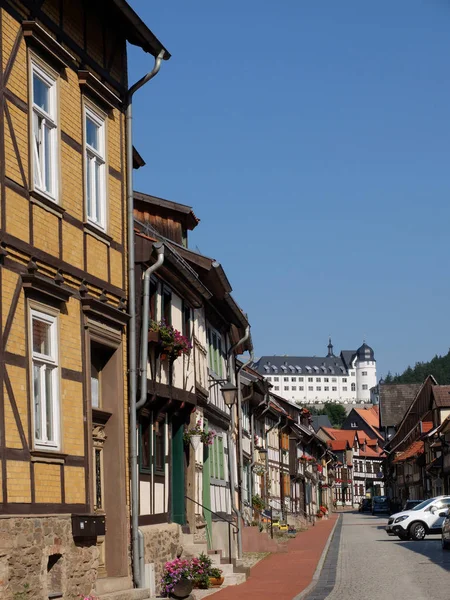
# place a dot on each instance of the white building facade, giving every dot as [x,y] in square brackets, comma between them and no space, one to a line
[344,379]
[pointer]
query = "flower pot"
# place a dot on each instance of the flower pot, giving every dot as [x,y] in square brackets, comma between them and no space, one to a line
[153,336]
[216,581]
[195,441]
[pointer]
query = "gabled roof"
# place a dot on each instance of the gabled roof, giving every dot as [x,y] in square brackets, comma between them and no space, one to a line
[347,357]
[341,434]
[372,417]
[372,453]
[319,421]
[338,445]
[395,399]
[441,395]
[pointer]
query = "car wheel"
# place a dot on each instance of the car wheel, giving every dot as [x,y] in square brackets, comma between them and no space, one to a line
[417,531]
[445,544]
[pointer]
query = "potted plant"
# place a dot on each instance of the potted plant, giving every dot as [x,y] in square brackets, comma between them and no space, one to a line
[216,578]
[200,568]
[258,503]
[174,571]
[194,435]
[197,434]
[173,343]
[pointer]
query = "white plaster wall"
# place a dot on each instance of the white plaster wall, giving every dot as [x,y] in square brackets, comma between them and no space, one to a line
[343,394]
[183,374]
[370,380]
[145,498]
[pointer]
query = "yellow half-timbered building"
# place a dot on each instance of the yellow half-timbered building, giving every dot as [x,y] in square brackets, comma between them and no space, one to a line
[64,501]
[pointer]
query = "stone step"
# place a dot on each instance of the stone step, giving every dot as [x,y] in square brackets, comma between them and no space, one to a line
[131,594]
[216,559]
[200,594]
[107,585]
[192,550]
[234,579]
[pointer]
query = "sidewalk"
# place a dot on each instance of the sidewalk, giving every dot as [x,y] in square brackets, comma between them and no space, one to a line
[284,575]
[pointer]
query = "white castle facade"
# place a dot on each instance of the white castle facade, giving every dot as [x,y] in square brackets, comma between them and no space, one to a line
[344,379]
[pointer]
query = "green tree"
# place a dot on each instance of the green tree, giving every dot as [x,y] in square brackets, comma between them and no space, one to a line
[336,413]
[439,367]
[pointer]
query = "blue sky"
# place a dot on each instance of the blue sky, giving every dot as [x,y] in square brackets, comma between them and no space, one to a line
[313,141]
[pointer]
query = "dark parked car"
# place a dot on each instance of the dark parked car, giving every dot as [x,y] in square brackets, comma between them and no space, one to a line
[365,505]
[380,504]
[410,504]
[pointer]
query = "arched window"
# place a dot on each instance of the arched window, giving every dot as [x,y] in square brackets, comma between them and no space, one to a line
[353,387]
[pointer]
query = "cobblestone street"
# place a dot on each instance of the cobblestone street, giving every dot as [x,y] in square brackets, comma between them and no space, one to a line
[372,565]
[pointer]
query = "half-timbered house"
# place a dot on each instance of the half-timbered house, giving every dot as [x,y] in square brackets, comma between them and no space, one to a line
[64,497]
[182,488]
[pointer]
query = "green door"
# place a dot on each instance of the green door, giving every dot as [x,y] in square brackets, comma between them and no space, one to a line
[178,475]
[206,498]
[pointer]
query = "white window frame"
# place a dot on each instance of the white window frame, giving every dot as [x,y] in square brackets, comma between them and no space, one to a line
[94,156]
[49,120]
[46,361]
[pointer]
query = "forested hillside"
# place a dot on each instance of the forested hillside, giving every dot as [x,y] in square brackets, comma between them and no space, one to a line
[439,367]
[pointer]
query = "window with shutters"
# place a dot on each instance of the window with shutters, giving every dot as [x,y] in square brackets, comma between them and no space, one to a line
[215,352]
[217,459]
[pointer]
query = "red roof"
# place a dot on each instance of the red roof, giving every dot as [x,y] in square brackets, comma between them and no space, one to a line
[371,452]
[427,426]
[372,417]
[341,434]
[338,444]
[414,450]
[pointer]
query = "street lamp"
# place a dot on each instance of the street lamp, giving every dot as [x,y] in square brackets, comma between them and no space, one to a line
[229,392]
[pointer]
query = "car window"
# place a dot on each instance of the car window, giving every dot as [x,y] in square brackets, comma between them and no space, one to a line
[423,504]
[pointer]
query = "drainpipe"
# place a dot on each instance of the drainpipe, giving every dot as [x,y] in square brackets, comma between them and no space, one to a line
[159,247]
[137,575]
[234,508]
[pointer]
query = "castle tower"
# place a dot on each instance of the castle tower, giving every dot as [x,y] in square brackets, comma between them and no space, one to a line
[366,372]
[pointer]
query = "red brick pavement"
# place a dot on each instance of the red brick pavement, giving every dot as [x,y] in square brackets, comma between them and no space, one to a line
[283,576]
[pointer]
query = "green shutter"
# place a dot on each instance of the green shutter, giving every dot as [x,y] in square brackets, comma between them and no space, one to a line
[219,356]
[212,459]
[220,453]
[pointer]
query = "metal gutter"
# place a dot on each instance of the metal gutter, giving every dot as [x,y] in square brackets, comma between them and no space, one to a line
[137,564]
[145,320]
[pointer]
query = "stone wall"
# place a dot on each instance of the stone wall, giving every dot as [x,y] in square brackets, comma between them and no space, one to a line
[162,543]
[38,556]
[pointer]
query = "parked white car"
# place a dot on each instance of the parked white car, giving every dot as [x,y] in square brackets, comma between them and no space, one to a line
[424,519]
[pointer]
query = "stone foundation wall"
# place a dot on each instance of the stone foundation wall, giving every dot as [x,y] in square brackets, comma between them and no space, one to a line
[162,543]
[38,556]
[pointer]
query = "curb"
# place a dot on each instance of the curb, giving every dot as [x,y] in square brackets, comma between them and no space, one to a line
[319,567]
